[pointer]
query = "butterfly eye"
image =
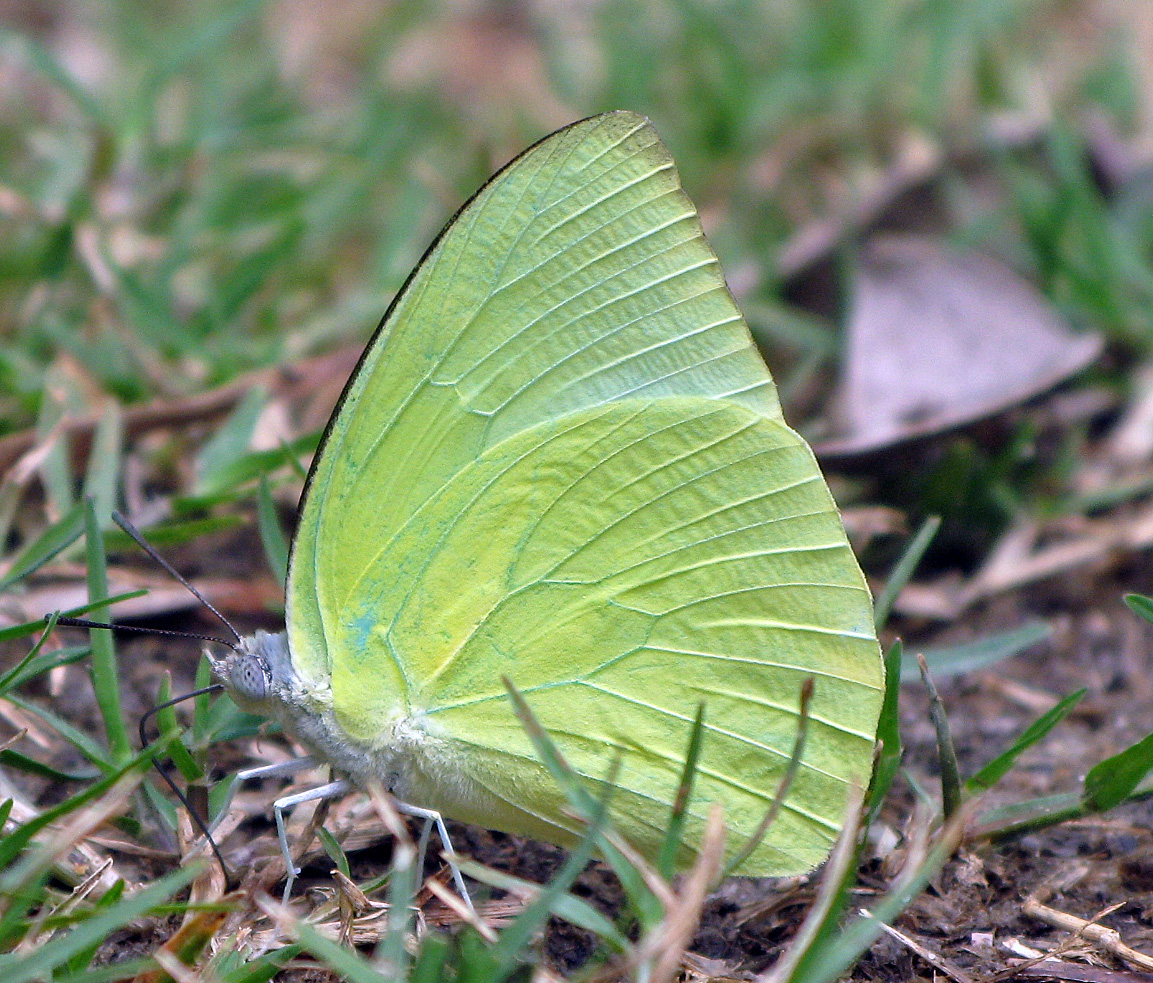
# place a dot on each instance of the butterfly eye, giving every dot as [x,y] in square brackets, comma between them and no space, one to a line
[249,679]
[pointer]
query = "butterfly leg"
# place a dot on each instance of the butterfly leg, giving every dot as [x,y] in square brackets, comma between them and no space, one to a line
[263,771]
[430,817]
[290,767]
[330,791]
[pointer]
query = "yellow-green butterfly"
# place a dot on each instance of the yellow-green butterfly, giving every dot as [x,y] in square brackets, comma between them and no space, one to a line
[562,460]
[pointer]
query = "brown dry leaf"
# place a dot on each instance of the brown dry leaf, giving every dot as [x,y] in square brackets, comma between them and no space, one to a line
[937,339]
[255,596]
[186,945]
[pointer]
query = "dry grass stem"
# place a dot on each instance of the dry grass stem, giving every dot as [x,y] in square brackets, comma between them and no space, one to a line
[932,958]
[1105,938]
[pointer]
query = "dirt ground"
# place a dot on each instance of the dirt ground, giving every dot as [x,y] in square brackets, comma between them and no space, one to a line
[973,916]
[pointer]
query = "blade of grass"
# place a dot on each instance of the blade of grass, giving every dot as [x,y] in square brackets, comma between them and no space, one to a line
[169,726]
[903,571]
[30,967]
[785,784]
[60,535]
[957,659]
[103,474]
[45,662]
[28,627]
[8,680]
[515,939]
[846,945]
[260,970]
[84,742]
[888,733]
[1112,781]
[271,533]
[950,772]
[391,956]
[230,442]
[79,962]
[567,907]
[245,468]
[1141,606]
[836,881]
[41,59]
[346,963]
[105,672]
[30,766]
[666,861]
[12,844]
[996,769]
[585,806]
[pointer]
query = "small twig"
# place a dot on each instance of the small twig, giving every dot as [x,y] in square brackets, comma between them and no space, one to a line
[932,958]
[1108,939]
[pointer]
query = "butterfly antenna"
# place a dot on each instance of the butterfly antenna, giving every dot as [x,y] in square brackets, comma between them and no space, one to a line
[85,623]
[184,800]
[123,522]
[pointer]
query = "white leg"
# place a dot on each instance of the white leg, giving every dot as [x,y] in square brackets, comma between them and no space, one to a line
[332,790]
[430,816]
[290,767]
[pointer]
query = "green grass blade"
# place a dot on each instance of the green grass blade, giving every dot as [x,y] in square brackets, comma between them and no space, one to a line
[260,970]
[173,533]
[903,571]
[996,769]
[11,844]
[40,58]
[957,659]
[334,850]
[950,772]
[833,961]
[81,960]
[888,733]
[79,739]
[431,963]
[1112,781]
[247,467]
[103,474]
[1141,606]
[666,861]
[170,727]
[60,535]
[21,670]
[31,967]
[105,671]
[128,969]
[349,965]
[29,627]
[271,533]
[229,443]
[567,907]
[30,766]
[584,804]
[512,946]
[46,661]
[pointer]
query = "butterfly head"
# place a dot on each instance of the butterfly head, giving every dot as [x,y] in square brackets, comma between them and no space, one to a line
[256,672]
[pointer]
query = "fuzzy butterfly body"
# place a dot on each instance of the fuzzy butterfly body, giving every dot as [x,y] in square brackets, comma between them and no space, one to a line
[562,460]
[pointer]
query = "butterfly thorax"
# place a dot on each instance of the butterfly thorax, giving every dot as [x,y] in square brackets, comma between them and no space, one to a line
[261,678]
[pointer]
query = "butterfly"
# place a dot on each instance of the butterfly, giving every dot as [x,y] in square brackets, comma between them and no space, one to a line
[562,460]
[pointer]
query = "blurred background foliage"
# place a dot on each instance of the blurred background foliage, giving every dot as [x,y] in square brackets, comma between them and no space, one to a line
[192,188]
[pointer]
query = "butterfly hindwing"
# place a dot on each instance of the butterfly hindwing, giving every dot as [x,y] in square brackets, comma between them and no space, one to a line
[621,565]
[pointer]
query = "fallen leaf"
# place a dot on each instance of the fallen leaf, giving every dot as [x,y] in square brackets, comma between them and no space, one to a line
[937,339]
